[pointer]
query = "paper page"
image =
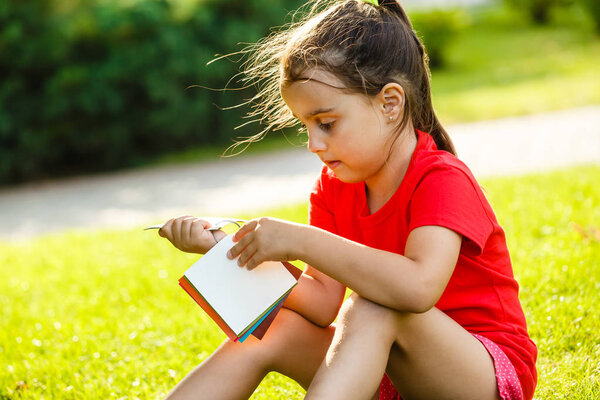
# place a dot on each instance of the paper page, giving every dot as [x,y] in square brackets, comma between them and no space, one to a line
[238,295]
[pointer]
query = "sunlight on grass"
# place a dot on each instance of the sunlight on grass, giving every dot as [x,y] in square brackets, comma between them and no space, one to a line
[503,67]
[100,314]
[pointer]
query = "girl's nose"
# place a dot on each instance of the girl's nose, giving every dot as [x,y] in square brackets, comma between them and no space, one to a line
[316,143]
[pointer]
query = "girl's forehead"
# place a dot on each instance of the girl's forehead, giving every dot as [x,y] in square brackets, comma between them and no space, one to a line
[323,77]
[303,97]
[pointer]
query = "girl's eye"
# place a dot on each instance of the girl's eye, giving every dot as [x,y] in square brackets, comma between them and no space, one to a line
[327,126]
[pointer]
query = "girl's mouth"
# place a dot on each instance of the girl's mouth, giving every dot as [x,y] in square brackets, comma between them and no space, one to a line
[333,164]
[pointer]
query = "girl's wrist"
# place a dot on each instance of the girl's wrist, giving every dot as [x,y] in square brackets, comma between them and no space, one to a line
[299,241]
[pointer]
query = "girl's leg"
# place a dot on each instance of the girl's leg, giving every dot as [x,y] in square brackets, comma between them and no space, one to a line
[356,360]
[428,356]
[292,346]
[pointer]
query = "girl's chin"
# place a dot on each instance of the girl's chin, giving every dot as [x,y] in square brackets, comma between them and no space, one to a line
[345,177]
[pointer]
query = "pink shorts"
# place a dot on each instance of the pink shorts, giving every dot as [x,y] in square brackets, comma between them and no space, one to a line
[508,382]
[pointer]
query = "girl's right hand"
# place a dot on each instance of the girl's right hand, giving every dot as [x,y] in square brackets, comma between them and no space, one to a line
[189,234]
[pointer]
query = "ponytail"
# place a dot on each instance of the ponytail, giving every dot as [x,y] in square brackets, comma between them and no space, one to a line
[423,114]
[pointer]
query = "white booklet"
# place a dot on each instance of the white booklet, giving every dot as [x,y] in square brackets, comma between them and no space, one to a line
[238,295]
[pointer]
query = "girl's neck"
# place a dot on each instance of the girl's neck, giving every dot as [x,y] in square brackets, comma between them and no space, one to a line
[381,187]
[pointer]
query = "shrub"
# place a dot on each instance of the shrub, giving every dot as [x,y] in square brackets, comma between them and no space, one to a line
[437,29]
[593,8]
[538,10]
[102,84]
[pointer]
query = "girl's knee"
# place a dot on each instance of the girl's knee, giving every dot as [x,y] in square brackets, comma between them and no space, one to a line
[363,314]
[289,333]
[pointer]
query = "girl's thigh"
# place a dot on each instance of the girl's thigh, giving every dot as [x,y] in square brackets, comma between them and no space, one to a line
[433,357]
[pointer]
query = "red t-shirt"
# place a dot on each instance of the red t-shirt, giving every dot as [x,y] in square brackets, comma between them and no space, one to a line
[438,189]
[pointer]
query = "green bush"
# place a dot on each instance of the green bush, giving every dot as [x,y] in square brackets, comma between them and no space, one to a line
[104,84]
[437,29]
[593,9]
[537,10]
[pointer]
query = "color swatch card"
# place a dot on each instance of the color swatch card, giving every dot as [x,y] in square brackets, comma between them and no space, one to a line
[238,300]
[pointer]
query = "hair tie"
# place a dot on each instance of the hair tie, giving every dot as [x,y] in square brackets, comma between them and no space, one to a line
[374,2]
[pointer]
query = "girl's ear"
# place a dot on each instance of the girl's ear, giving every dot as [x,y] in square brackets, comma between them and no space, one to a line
[391,99]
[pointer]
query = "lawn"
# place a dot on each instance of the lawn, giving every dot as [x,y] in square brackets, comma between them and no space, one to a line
[100,314]
[501,65]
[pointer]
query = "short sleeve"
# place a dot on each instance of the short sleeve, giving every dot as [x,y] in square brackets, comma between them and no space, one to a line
[451,198]
[320,211]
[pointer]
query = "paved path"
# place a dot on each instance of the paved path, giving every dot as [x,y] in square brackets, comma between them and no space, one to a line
[251,183]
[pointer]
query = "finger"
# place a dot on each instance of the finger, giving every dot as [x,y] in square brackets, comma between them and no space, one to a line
[239,246]
[246,228]
[177,228]
[254,261]
[196,228]
[246,254]
[205,224]
[249,262]
[165,231]
[186,229]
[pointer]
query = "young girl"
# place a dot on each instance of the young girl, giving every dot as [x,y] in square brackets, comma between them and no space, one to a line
[394,216]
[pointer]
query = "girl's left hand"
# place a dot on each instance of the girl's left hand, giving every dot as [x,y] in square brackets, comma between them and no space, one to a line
[263,239]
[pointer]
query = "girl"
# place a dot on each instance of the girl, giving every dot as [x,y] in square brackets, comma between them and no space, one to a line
[394,216]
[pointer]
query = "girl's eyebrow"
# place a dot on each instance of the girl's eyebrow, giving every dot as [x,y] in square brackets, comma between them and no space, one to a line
[320,111]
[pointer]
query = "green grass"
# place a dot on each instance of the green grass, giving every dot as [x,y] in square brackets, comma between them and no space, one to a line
[100,314]
[503,66]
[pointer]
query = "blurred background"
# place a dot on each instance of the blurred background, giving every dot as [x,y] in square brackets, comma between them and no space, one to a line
[98,85]
[107,123]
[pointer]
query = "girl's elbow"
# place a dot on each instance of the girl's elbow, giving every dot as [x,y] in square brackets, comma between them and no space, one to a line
[423,306]
[416,305]
[419,301]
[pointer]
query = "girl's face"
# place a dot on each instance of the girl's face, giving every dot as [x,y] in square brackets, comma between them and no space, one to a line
[351,133]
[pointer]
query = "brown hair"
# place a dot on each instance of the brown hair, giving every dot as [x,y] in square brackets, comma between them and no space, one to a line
[365,46]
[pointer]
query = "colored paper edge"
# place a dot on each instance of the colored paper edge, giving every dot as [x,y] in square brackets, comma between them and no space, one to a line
[193,293]
[260,331]
[243,331]
[255,326]
[192,287]
[263,314]
[268,310]
[260,328]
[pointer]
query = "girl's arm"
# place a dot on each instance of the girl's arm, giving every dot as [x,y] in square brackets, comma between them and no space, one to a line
[413,282]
